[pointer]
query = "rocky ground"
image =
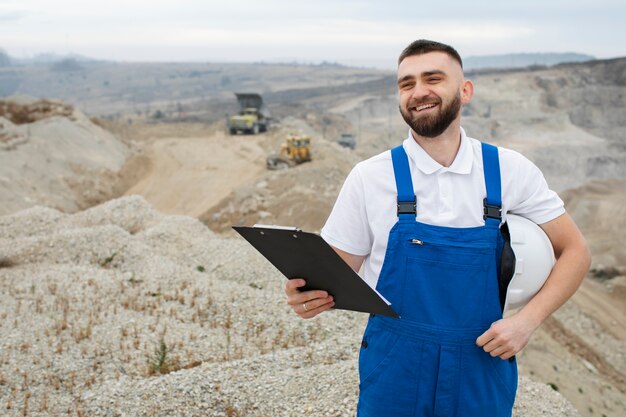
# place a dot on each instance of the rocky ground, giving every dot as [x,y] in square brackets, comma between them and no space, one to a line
[121,310]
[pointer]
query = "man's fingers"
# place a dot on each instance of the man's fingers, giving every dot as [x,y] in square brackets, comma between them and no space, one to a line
[305,297]
[319,309]
[497,351]
[311,304]
[316,303]
[292,285]
[491,345]
[484,338]
[507,355]
[307,304]
[506,337]
[494,344]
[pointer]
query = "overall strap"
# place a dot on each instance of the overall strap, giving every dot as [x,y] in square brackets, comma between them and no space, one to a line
[492,204]
[407,207]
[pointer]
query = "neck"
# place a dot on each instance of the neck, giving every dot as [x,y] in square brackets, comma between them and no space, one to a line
[442,148]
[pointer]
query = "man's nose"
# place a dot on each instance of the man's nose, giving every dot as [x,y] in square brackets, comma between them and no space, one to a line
[420,91]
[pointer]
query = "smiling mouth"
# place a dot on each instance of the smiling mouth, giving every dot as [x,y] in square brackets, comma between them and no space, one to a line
[424,107]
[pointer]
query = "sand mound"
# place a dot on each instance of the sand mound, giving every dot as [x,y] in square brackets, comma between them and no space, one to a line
[121,310]
[51,154]
[599,209]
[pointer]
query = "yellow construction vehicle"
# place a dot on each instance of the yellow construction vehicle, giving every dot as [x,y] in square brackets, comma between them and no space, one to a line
[295,150]
[253,116]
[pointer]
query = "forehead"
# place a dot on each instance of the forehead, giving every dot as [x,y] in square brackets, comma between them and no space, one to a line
[416,65]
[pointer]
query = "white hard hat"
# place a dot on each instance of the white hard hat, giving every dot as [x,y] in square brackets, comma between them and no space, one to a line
[534,259]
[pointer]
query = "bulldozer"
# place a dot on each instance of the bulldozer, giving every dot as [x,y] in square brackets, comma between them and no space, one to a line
[295,150]
[253,116]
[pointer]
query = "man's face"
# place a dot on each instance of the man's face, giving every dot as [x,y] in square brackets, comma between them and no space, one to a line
[431,89]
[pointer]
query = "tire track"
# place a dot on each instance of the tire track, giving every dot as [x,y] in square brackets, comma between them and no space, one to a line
[578,347]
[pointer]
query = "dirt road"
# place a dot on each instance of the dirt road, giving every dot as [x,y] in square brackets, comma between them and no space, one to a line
[191,174]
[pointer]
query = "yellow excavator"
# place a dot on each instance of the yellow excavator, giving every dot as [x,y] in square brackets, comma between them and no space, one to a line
[295,150]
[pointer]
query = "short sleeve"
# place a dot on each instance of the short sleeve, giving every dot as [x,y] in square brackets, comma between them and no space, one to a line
[533,199]
[347,226]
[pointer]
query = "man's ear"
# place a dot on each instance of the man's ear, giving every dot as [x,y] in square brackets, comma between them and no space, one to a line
[467,91]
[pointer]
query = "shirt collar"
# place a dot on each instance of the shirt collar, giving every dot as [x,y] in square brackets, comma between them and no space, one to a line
[462,163]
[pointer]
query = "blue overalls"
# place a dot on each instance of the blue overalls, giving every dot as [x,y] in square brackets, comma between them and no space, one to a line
[443,283]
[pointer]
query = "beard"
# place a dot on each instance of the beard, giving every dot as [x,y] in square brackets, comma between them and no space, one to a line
[433,125]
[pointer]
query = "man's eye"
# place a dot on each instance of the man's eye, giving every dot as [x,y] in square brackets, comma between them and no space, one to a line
[434,80]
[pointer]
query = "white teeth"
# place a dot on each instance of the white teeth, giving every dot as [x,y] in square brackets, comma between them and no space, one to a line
[425,106]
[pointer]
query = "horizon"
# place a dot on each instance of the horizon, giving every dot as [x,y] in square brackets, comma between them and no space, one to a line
[349,33]
[51,57]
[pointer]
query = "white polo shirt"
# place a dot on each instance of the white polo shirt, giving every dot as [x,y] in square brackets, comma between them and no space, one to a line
[365,209]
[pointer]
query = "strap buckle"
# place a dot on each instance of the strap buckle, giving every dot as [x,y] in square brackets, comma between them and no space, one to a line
[491,211]
[407,207]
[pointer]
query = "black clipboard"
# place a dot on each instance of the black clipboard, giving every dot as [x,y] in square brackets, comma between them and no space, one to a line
[299,254]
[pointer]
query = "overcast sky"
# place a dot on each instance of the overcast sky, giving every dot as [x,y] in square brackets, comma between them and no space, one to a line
[350,32]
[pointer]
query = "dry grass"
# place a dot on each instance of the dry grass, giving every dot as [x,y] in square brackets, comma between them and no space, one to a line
[7,263]
[42,109]
[4,137]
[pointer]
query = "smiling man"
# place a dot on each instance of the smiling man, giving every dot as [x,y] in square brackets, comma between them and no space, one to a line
[423,220]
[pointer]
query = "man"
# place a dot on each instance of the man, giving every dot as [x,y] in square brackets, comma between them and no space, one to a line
[414,218]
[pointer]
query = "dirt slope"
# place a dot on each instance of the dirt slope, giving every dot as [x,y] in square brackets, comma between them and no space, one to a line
[186,175]
[599,209]
[301,196]
[51,154]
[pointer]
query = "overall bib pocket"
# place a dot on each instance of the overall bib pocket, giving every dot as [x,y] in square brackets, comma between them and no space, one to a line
[457,253]
[443,290]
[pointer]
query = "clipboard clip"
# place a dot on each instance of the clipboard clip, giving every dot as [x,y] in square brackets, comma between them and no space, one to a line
[276,227]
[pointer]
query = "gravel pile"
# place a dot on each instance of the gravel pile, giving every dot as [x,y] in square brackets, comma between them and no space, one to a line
[122,311]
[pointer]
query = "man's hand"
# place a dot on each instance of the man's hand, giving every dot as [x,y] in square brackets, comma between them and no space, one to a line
[307,304]
[506,337]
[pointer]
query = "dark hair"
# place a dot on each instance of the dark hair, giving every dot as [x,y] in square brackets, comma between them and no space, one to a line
[423,46]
